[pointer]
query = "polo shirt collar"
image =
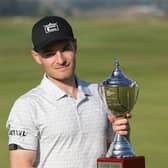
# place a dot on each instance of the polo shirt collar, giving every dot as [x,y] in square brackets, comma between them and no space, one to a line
[54,92]
[83,87]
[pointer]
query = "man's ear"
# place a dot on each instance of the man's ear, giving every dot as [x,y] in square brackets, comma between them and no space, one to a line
[75,45]
[36,56]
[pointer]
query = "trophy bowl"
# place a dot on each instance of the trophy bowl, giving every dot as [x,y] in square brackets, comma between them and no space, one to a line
[119,95]
[120,99]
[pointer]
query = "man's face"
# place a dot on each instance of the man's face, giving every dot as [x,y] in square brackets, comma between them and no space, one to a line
[58,60]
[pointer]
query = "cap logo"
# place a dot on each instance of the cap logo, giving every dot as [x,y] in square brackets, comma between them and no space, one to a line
[51,27]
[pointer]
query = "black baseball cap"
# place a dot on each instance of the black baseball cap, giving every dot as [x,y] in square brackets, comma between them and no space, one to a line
[50,29]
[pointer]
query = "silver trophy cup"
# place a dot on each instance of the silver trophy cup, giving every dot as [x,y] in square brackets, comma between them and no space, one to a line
[119,95]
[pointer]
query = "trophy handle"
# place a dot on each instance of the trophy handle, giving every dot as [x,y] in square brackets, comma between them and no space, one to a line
[137,93]
[134,84]
[102,96]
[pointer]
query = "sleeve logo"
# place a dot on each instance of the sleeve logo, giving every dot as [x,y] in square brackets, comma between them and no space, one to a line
[18,132]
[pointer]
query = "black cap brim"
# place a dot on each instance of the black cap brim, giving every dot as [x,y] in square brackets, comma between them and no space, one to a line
[41,46]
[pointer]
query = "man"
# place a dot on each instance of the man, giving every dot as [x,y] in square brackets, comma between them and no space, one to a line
[61,123]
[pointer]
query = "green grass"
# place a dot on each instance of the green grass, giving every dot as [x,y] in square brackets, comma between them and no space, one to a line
[141,47]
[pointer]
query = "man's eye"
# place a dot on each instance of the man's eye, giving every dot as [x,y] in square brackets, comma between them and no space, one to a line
[47,55]
[67,48]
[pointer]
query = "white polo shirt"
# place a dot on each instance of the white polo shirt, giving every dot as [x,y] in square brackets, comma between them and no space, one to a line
[65,132]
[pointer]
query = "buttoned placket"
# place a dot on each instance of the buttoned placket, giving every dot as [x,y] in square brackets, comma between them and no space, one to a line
[77,102]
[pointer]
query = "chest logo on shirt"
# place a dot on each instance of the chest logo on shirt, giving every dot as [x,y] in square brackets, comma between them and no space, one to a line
[18,132]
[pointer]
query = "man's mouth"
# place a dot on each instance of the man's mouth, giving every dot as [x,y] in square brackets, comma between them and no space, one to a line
[63,66]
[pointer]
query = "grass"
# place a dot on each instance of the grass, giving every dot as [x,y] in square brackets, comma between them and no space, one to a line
[141,47]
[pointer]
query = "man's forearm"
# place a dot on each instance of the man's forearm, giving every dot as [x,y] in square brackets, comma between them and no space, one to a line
[22,158]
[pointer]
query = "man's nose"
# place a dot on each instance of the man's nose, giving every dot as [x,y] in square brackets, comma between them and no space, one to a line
[60,57]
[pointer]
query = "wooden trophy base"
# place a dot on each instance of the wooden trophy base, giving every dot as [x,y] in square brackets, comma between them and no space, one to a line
[130,162]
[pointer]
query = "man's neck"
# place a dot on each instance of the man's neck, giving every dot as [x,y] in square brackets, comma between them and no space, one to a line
[69,85]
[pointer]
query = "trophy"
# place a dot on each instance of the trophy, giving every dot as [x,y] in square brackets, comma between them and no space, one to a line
[119,95]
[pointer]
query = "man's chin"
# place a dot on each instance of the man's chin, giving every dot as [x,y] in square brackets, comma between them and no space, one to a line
[63,78]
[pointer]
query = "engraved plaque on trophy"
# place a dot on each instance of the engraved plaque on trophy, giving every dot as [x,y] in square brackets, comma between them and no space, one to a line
[119,95]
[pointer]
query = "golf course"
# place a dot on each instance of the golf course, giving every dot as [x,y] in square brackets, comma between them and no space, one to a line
[141,46]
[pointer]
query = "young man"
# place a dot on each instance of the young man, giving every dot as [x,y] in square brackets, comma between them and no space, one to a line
[61,123]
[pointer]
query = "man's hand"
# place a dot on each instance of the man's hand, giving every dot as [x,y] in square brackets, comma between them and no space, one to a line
[121,125]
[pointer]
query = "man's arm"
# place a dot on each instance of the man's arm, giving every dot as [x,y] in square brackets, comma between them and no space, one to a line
[22,158]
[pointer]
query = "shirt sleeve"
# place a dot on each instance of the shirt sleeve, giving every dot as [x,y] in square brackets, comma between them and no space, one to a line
[22,129]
